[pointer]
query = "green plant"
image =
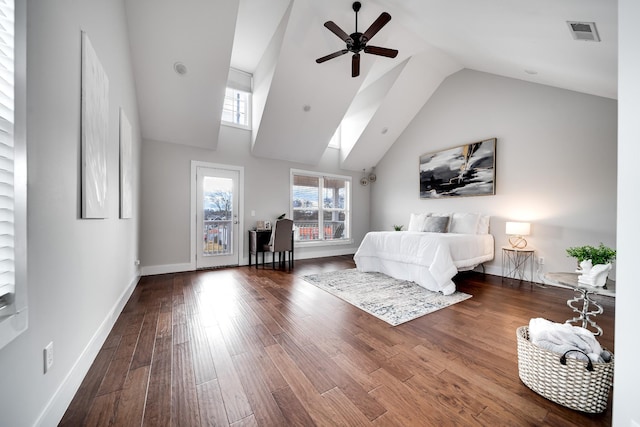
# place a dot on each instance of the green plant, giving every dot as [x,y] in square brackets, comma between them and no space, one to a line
[598,255]
[397,227]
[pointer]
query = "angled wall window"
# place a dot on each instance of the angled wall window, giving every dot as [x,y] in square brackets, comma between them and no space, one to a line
[13,303]
[236,110]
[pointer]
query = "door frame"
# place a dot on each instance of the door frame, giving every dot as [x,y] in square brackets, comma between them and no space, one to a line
[195,164]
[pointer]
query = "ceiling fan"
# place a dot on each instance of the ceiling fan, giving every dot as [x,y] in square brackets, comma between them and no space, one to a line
[357,42]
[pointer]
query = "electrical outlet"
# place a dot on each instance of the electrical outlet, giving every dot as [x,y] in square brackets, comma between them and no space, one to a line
[48,357]
[541,260]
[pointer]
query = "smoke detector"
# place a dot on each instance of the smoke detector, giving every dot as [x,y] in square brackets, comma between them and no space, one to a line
[585,31]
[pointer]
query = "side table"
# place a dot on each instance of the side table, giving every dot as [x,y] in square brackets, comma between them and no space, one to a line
[515,262]
[583,297]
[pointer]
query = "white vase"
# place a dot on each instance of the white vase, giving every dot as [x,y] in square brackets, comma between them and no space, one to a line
[596,276]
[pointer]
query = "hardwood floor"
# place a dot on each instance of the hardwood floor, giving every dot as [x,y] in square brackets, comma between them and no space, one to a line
[245,347]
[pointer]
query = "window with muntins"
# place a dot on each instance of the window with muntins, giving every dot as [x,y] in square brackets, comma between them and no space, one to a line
[236,109]
[320,206]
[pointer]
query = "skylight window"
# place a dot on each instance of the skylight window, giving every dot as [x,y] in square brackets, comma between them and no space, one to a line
[336,138]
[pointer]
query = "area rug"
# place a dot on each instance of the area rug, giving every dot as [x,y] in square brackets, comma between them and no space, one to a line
[392,300]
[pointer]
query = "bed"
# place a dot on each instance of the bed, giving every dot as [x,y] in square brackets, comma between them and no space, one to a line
[430,259]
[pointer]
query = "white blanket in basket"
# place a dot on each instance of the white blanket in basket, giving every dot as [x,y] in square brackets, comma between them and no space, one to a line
[562,337]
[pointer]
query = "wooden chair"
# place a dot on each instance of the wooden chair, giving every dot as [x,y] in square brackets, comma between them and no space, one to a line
[280,242]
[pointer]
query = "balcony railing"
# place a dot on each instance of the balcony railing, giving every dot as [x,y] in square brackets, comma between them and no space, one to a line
[217,237]
[309,230]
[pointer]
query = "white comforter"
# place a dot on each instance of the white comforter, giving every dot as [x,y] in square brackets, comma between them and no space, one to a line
[428,259]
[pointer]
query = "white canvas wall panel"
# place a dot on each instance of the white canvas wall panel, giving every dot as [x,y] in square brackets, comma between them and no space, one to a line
[95,133]
[126,167]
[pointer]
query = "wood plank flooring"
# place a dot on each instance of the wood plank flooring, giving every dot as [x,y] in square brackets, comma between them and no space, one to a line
[256,347]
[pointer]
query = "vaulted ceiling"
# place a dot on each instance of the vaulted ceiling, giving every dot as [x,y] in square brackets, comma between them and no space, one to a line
[277,41]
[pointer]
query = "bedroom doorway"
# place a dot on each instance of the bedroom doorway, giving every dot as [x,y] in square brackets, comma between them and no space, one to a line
[217,212]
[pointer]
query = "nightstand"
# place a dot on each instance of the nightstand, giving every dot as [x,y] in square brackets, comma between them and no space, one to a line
[516,261]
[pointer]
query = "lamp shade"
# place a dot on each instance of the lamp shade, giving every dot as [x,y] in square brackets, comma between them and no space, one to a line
[518,228]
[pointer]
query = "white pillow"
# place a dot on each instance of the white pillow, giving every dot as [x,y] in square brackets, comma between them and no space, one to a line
[483,224]
[464,223]
[416,221]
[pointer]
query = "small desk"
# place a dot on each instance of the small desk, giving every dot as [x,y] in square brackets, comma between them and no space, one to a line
[514,262]
[584,292]
[257,240]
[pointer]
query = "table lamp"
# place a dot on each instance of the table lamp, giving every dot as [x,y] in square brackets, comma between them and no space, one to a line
[516,230]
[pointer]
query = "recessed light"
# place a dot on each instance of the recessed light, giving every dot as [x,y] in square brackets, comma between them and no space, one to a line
[307,108]
[180,68]
[532,72]
[384,130]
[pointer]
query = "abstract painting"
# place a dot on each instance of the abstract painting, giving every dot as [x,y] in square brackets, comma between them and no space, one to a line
[95,132]
[466,170]
[126,167]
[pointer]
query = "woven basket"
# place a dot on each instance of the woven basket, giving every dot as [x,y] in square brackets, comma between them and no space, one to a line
[571,385]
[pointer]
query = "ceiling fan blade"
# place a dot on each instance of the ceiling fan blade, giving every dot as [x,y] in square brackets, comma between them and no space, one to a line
[376,26]
[337,31]
[331,56]
[382,51]
[355,65]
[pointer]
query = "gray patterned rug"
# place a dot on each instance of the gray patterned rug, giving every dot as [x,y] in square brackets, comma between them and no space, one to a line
[392,300]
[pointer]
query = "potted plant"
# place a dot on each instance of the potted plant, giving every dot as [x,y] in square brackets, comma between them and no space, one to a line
[397,227]
[594,263]
[598,255]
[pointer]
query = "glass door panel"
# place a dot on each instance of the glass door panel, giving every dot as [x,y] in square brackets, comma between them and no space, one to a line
[217,217]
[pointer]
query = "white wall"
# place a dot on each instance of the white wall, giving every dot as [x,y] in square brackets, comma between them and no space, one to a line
[627,374]
[555,162]
[78,270]
[166,188]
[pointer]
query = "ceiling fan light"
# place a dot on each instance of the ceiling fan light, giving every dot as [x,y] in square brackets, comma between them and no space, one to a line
[357,41]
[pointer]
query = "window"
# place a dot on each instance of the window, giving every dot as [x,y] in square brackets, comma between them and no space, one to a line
[336,139]
[236,108]
[13,308]
[320,206]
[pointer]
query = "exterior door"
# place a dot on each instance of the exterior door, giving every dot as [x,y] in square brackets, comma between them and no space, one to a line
[217,229]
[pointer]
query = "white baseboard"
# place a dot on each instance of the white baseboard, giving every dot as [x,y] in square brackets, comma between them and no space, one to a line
[305,253]
[310,252]
[59,402]
[496,270]
[167,268]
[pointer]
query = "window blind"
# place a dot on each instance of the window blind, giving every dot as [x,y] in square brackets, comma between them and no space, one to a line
[240,80]
[7,252]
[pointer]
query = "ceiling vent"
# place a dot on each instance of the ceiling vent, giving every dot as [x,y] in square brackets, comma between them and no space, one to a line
[585,31]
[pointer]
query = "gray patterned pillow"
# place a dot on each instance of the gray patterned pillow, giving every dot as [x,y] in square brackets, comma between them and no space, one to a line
[436,224]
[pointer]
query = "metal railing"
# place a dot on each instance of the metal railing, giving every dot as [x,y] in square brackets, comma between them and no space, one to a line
[309,230]
[217,237]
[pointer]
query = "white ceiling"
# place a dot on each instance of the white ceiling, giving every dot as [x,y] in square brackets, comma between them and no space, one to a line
[278,41]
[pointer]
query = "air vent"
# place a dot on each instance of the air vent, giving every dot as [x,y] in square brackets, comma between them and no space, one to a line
[585,31]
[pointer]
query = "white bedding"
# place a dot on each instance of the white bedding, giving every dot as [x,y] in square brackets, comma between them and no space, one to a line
[428,259]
